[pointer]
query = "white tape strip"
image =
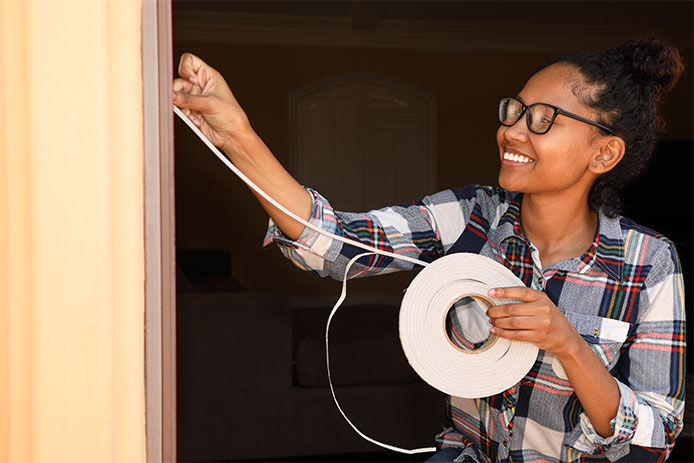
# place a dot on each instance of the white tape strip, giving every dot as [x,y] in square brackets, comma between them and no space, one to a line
[255,188]
[495,367]
[343,295]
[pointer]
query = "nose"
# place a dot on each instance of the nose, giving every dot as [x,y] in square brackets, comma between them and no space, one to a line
[518,131]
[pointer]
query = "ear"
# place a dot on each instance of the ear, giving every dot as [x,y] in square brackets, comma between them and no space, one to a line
[608,154]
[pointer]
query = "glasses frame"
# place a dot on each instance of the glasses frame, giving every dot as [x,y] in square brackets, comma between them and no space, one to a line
[557,110]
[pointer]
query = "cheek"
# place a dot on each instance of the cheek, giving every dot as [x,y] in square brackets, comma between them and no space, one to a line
[500,135]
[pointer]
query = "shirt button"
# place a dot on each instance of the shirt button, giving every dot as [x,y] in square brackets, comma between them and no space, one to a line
[596,332]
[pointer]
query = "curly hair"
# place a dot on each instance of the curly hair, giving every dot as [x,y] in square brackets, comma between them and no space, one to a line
[626,84]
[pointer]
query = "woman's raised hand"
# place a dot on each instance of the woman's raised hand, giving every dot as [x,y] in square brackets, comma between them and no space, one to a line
[204,96]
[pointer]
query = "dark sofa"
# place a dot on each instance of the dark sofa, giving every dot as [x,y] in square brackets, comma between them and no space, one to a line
[252,379]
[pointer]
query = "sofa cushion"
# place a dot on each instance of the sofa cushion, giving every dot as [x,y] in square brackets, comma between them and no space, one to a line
[364,347]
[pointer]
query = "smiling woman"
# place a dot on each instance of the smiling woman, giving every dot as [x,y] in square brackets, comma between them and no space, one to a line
[603,296]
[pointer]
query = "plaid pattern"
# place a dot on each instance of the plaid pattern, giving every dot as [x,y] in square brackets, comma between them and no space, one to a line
[624,295]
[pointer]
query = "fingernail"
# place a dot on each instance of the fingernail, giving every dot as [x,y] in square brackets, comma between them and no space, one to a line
[492,330]
[492,292]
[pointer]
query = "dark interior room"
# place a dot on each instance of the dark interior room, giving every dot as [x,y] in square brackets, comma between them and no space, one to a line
[252,383]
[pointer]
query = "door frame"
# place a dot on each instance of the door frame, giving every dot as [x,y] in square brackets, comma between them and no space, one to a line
[160,227]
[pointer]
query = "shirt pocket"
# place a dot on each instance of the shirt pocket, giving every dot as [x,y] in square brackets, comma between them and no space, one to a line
[604,335]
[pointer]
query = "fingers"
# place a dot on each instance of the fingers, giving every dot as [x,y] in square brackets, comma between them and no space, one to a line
[516,292]
[189,65]
[185,86]
[520,309]
[182,85]
[518,321]
[517,335]
[197,103]
[521,322]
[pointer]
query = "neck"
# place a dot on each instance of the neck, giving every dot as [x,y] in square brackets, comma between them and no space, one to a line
[560,227]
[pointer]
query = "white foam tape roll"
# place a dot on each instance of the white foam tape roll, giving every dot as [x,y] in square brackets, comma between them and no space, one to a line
[494,367]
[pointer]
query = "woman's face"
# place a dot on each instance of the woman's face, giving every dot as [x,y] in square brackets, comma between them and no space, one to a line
[557,161]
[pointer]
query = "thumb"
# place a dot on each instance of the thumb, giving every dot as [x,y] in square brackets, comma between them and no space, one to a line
[200,103]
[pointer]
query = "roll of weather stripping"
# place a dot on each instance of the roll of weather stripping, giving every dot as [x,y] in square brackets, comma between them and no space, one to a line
[492,368]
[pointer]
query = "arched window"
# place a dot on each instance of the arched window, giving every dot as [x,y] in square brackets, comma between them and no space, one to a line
[364,141]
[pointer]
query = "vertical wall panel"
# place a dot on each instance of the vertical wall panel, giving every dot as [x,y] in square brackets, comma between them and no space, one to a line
[71,231]
[15,247]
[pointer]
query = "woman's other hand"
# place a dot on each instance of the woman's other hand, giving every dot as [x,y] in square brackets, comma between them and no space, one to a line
[204,96]
[535,320]
[539,321]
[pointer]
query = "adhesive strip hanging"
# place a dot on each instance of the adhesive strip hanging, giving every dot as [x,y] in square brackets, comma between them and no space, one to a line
[494,367]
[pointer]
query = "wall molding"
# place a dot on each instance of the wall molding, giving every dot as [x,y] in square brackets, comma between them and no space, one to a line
[272,29]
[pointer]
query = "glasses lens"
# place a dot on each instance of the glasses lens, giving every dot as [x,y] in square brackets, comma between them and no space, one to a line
[510,111]
[541,117]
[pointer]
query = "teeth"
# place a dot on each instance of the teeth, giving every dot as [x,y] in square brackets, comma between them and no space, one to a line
[517,158]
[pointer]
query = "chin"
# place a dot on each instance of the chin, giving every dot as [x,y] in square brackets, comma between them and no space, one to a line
[507,183]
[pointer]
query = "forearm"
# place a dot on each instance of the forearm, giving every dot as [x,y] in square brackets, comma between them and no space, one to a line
[594,386]
[203,95]
[252,157]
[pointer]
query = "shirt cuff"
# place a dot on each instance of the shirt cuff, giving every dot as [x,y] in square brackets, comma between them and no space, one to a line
[323,217]
[585,439]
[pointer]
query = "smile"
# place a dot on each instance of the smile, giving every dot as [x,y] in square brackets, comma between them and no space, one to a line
[517,158]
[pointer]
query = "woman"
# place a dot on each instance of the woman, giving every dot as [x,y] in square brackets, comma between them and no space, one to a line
[603,296]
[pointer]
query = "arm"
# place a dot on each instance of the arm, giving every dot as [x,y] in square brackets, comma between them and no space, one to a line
[422,229]
[644,403]
[652,369]
[407,230]
[539,321]
[205,98]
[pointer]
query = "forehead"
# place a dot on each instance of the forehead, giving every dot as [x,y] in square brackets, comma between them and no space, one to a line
[556,85]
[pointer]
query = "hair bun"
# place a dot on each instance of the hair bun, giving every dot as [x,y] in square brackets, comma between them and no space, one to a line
[657,62]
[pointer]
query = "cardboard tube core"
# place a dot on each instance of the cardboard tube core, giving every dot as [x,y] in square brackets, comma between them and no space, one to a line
[491,339]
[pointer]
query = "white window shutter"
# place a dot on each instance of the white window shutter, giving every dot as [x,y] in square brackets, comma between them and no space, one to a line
[364,142]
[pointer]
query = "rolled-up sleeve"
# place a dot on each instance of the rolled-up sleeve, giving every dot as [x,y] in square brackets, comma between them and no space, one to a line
[408,230]
[650,374]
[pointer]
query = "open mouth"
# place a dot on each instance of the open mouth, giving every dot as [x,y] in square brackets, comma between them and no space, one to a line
[517,158]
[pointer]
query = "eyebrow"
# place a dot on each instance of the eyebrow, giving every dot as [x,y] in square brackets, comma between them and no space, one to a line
[519,98]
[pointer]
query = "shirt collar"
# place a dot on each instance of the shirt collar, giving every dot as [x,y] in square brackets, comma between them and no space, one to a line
[607,249]
[609,253]
[509,223]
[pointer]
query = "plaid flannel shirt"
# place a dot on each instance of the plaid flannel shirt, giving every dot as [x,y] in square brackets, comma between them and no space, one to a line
[624,295]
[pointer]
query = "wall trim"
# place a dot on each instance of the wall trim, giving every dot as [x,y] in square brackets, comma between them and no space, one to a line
[160,270]
[273,29]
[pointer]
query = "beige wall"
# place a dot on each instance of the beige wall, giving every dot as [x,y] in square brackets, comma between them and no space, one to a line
[71,232]
[214,209]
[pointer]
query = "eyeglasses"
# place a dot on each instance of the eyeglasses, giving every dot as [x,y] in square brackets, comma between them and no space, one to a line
[538,116]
